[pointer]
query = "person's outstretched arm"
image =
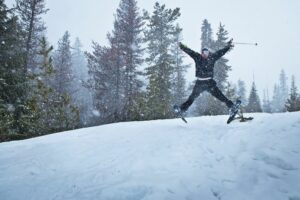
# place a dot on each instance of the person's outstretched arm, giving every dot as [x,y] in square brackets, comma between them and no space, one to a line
[218,54]
[187,50]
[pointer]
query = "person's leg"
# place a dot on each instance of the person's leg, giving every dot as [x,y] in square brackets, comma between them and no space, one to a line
[198,88]
[216,92]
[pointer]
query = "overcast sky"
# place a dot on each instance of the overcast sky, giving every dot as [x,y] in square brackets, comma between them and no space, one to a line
[273,24]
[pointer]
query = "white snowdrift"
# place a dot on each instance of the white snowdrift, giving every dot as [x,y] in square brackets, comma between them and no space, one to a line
[159,160]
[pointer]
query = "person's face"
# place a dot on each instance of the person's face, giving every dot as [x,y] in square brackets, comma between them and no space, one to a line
[205,54]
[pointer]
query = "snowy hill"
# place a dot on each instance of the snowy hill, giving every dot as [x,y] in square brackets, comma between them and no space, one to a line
[165,159]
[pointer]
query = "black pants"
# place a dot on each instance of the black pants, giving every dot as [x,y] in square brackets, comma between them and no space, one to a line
[209,86]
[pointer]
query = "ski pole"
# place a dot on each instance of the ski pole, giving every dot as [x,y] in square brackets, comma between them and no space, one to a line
[245,43]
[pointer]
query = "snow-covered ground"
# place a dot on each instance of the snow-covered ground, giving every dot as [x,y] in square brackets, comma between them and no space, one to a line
[159,160]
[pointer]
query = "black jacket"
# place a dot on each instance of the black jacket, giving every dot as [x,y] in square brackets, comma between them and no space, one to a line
[205,67]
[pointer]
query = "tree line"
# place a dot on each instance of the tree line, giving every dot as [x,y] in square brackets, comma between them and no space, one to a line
[139,75]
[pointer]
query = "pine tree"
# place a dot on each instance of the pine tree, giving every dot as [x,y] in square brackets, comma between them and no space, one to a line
[283,90]
[41,91]
[221,67]
[253,101]
[118,65]
[241,92]
[54,110]
[82,98]
[280,94]
[14,107]
[30,12]
[63,83]
[178,82]
[65,114]
[231,91]
[160,36]
[79,63]
[7,40]
[276,104]
[64,76]
[293,102]
[266,103]
[104,83]
[127,33]
[45,112]
[206,35]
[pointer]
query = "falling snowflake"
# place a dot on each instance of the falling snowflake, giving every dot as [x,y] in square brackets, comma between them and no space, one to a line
[96,113]
[10,108]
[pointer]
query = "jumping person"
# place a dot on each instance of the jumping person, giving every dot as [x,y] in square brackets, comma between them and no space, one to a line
[205,72]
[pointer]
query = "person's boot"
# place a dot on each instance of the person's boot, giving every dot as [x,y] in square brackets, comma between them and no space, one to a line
[177,109]
[179,112]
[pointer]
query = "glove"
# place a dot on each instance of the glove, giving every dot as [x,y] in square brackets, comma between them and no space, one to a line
[229,43]
[181,45]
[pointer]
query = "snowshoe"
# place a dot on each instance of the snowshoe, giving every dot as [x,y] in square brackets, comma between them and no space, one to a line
[236,110]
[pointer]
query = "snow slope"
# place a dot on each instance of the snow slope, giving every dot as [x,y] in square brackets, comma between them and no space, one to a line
[159,160]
